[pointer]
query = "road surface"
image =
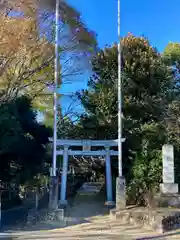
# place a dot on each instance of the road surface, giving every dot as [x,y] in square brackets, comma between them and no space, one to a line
[88,219]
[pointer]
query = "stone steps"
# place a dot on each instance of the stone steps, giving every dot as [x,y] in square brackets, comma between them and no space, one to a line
[90,188]
[160,220]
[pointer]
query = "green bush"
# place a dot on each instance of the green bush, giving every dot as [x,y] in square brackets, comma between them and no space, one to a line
[146,177]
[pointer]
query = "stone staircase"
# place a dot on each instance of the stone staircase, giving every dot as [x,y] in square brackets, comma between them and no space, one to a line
[160,220]
[90,188]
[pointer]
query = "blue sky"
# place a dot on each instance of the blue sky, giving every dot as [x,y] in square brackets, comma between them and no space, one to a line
[158,20]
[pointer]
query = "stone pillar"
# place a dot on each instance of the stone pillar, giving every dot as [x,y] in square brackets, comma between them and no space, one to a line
[50,191]
[168,186]
[108,178]
[63,200]
[37,199]
[53,197]
[168,195]
[120,193]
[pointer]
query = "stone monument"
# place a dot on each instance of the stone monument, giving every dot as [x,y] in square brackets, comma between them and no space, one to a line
[168,186]
[168,195]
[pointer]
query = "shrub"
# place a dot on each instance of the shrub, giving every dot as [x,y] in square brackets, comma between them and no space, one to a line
[146,177]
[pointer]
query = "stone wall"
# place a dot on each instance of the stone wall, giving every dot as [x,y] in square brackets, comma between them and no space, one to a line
[45,214]
[160,219]
[171,222]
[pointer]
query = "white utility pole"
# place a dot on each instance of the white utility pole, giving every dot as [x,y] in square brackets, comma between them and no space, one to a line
[119,98]
[56,77]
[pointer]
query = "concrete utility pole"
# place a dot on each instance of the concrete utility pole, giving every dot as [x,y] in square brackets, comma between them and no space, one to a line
[56,77]
[54,178]
[120,181]
[119,98]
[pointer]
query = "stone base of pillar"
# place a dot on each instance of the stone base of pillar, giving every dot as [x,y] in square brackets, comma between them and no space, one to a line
[169,188]
[167,200]
[59,213]
[53,193]
[120,193]
[63,203]
[54,205]
[110,203]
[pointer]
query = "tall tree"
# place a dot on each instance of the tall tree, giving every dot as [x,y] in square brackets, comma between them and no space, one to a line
[171,57]
[29,63]
[75,38]
[26,59]
[147,84]
[22,142]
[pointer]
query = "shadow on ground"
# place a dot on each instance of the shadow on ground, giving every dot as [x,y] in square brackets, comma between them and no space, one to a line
[80,210]
[86,218]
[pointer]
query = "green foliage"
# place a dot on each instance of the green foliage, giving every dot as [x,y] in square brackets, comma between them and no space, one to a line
[22,141]
[148,91]
[146,176]
[146,83]
[172,53]
[171,57]
[146,80]
[38,182]
[150,87]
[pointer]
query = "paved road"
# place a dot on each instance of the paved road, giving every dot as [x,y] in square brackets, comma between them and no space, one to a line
[88,219]
[98,227]
[14,216]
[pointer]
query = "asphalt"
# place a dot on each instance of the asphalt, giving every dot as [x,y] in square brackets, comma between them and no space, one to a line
[88,219]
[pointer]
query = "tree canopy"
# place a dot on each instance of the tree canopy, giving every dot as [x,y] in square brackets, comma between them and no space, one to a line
[150,105]
[27,49]
[150,93]
[23,141]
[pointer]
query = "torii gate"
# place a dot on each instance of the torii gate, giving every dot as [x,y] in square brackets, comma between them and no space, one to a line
[86,151]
